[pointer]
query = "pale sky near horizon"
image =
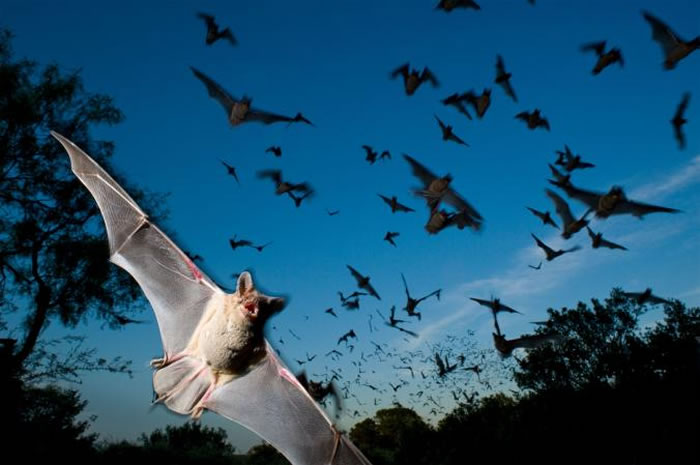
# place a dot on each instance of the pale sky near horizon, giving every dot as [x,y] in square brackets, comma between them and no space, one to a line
[332,63]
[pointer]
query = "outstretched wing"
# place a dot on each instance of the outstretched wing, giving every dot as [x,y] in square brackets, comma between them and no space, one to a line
[420,171]
[561,207]
[177,290]
[640,209]
[661,33]
[215,91]
[283,414]
[589,198]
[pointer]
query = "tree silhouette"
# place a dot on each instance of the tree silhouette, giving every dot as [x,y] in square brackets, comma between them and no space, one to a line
[53,252]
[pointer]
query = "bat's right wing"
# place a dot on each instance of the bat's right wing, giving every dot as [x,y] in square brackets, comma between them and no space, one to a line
[420,171]
[590,198]
[216,91]
[661,33]
[284,414]
[175,287]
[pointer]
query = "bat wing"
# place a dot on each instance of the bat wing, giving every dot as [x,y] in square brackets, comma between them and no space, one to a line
[661,33]
[420,171]
[590,198]
[561,207]
[283,414]
[611,245]
[485,303]
[177,290]
[267,117]
[597,47]
[215,90]
[640,209]
[400,71]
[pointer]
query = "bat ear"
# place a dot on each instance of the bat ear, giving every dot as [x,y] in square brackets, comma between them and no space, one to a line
[245,283]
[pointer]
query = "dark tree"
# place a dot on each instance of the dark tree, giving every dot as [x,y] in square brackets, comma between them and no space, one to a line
[265,454]
[53,250]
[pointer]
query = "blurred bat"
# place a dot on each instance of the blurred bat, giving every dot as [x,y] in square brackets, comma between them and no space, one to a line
[646,297]
[283,187]
[275,150]
[673,47]
[412,303]
[605,59]
[215,354]
[319,391]
[571,161]
[598,241]
[239,110]
[299,199]
[332,213]
[506,347]
[503,78]
[395,205]
[536,267]
[389,237]
[533,119]
[679,120]
[214,33]
[449,5]
[551,253]
[441,219]
[495,305]
[345,337]
[570,225]
[457,101]
[480,103]
[230,170]
[447,133]
[412,79]
[363,282]
[545,217]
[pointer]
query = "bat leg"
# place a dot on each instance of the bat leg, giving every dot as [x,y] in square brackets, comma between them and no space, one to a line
[183,384]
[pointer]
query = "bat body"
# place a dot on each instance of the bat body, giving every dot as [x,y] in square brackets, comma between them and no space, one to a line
[550,253]
[395,205]
[412,79]
[363,282]
[448,134]
[215,354]
[598,241]
[448,5]
[533,119]
[231,170]
[412,303]
[503,78]
[605,59]
[214,33]
[480,103]
[544,216]
[389,237]
[239,111]
[673,47]
[679,120]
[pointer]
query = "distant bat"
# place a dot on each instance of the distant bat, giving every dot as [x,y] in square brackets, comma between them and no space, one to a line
[275,150]
[495,305]
[448,134]
[673,47]
[239,243]
[551,253]
[605,59]
[215,353]
[394,323]
[395,205]
[533,119]
[570,225]
[571,161]
[457,101]
[614,202]
[646,297]
[545,217]
[503,78]
[283,187]
[444,366]
[480,103]
[330,312]
[412,79]
[412,303]
[441,219]
[344,338]
[389,237]
[559,178]
[230,170]
[213,32]
[319,391]
[333,212]
[536,267]
[363,282]
[239,110]
[506,347]
[298,199]
[449,5]
[598,241]
[385,154]
[679,120]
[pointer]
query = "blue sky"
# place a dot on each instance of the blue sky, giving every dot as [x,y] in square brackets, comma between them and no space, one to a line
[332,62]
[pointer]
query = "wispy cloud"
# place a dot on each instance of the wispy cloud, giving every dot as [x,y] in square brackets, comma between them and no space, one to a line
[689,174]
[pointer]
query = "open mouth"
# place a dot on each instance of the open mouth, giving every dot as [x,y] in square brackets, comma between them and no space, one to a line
[251,309]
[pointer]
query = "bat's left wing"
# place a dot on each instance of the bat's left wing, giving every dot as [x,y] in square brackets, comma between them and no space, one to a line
[284,414]
[215,91]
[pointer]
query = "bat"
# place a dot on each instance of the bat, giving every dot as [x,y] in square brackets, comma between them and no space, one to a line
[646,297]
[570,225]
[215,354]
[412,79]
[551,253]
[214,33]
[506,347]
[239,111]
[673,46]
[598,241]
[545,217]
[332,212]
[495,305]
[614,202]
[570,161]
[448,5]
[395,205]
[605,59]
[389,237]
[363,282]
[330,312]
[444,367]
[275,150]
[457,101]
[230,170]
[344,338]
[319,391]
[503,78]
[447,133]
[283,187]
[536,267]
[533,119]
[412,303]
[560,179]
[394,323]
[441,219]
[299,199]
[480,103]
[679,120]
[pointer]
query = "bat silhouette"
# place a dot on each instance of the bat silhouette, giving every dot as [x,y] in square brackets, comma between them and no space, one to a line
[412,303]
[598,241]
[319,391]
[570,161]
[605,59]
[646,297]
[333,212]
[363,282]
[275,150]
[395,205]
[299,199]
[536,267]
[480,103]
[447,133]
[444,367]
[449,5]
[230,170]
[503,78]
[345,337]
[371,154]
[545,217]
[614,202]
[495,305]
[673,47]
[239,243]
[679,120]
[394,323]
[441,219]
[570,225]
[389,237]
[239,110]
[551,253]
[559,177]
[533,119]
[457,101]
[214,33]
[330,312]
[412,79]
[506,347]
[215,354]
[283,187]
[437,190]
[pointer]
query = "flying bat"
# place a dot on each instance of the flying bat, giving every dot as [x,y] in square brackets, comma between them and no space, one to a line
[550,253]
[506,347]
[412,303]
[545,217]
[441,219]
[239,110]
[503,78]
[412,79]
[605,59]
[679,120]
[598,241]
[345,337]
[673,47]
[614,202]
[646,297]
[495,305]
[570,161]
[559,177]
[275,150]
[448,5]
[457,101]
[215,354]
[389,237]
[448,134]
[570,225]
[319,391]
[480,103]
[394,323]
[283,187]
[395,205]
[230,170]
[330,312]
[363,282]
[444,367]
[299,199]
[536,267]
[214,33]
[533,119]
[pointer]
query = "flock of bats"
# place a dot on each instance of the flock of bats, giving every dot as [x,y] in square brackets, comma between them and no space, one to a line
[446,208]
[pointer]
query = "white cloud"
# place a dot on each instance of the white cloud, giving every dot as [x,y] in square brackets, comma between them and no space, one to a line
[687,175]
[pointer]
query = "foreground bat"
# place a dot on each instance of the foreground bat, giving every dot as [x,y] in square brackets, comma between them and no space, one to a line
[215,354]
[214,33]
[598,241]
[646,297]
[239,110]
[674,48]
[550,253]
